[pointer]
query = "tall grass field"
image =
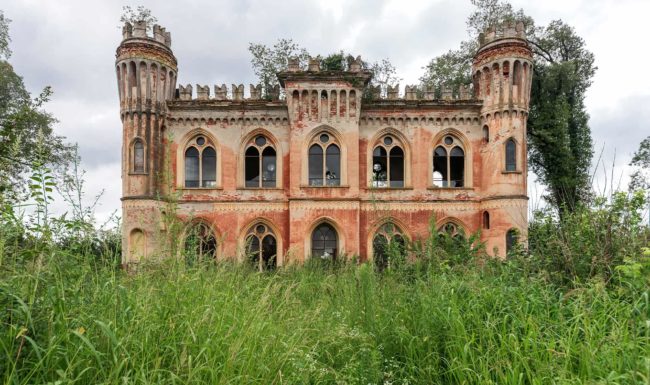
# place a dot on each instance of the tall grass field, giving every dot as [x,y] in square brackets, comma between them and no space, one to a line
[72,320]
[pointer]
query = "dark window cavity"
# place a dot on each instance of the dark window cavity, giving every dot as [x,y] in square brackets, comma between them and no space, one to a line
[260,164]
[512,238]
[192,167]
[449,164]
[511,155]
[200,244]
[261,248]
[324,242]
[388,164]
[138,156]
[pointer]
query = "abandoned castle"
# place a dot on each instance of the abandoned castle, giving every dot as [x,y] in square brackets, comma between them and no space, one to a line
[333,168]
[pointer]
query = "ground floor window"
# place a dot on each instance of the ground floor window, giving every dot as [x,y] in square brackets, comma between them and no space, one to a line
[261,248]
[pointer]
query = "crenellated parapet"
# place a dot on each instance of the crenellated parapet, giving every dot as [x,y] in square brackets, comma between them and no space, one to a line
[221,93]
[502,68]
[428,93]
[507,30]
[146,69]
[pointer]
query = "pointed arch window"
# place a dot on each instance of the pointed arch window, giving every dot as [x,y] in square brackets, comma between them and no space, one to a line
[449,163]
[486,220]
[261,247]
[387,243]
[452,230]
[324,160]
[512,238]
[200,244]
[200,164]
[138,156]
[511,155]
[388,163]
[324,242]
[260,163]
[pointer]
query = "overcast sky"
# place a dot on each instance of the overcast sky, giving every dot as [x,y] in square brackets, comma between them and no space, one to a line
[70,45]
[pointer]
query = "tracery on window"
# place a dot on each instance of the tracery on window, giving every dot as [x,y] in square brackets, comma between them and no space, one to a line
[449,163]
[452,230]
[200,164]
[387,245]
[261,247]
[324,161]
[324,242]
[260,163]
[200,244]
[388,163]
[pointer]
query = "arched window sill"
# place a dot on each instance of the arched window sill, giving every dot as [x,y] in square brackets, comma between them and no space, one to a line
[138,173]
[450,188]
[511,172]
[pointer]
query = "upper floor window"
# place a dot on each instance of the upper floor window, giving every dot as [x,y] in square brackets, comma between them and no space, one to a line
[324,161]
[511,155]
[388,163]
[200,164]
[260,164]
[449,163]
[138,156]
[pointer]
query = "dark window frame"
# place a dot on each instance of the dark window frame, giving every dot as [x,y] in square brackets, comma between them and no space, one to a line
[265,178]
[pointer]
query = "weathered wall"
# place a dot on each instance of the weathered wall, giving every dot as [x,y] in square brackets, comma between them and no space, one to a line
[328,102]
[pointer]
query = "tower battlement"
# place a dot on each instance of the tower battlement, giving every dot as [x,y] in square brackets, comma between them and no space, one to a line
[506,30]
[139,31]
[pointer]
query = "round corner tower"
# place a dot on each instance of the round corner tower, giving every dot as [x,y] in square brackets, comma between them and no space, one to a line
[146,78]
[502,73]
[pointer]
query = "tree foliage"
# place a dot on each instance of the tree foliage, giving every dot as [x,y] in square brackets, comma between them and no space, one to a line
[5,52]
[560,145]
[268,61]
[641,163]
[130,15]
[26,131]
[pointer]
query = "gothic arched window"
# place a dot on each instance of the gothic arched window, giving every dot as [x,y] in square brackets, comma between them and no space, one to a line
[449,163]
[453,230]
[200,164]
[261,247]
[486,220]
[388,242]
[260,163]
[511,155]
[138,156]
[324,242]
[324,161]
[200,244]
[512,238]
[388,163]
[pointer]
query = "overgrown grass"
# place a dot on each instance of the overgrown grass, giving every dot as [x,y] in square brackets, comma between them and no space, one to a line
[68,320]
